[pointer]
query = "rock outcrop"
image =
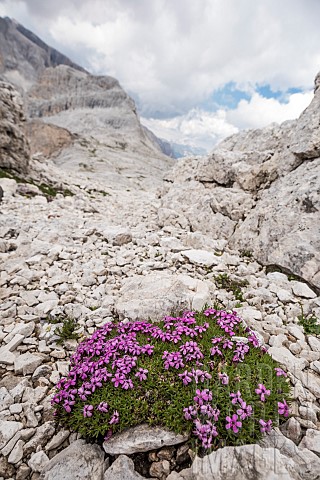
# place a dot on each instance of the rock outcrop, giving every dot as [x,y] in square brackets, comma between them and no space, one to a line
[14,147]
[46,140]
[259,190]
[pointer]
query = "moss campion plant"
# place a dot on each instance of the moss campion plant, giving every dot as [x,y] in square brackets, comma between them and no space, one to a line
[204,373]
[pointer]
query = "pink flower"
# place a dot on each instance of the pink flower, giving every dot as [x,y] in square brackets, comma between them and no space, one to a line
[186,377]
[280,372]
[108,435]
[215,350]
[114,418]
[203,396]
[283,408]
[103,407]
[262,391]
[189,412]
[87,410]
[265,426]
[142,374]
[234,423]
[227,344]
[245,411]
[236,397]
[223,377]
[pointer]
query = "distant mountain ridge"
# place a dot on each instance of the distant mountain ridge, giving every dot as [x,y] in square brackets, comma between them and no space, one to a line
[23,55]
[108,139]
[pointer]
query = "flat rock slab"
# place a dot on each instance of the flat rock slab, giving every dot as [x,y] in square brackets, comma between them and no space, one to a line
[153,296]
[201,257]
[80,461]
[141,439]
[285,357]
[122,468]
[7,430]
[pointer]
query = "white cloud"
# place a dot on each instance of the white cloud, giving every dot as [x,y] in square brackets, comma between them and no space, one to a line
[260,111]
[206,129]
[197,128]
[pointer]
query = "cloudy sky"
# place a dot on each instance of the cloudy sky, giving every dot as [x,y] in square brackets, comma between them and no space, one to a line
[199,70]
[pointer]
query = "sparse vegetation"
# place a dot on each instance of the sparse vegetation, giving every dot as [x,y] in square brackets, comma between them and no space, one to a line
[49,191]
[309,323]
[246,254]
[224,281]
[67,331]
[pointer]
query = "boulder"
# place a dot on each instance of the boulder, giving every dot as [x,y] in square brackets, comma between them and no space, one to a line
[142,438]
[122,468]
[283,228]
[153,296]
[79,461]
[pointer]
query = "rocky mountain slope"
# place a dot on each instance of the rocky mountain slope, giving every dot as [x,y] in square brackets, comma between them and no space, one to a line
[95,252]
[106,137]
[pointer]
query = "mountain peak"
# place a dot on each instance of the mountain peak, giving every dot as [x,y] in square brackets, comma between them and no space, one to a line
[23,55]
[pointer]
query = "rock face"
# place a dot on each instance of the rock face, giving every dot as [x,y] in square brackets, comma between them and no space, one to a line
[64,88]
[259,190]
[14,147]
[47,140]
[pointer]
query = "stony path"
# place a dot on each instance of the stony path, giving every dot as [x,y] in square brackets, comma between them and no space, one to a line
[93,256]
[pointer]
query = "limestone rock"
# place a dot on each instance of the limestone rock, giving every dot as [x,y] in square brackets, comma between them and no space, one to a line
[302,290]
[141,439]
[7,430]
[14,147]
[27,363]
[248,462]
[311,441]
[80,461]
[283,227]
[306,143]
[24,55]
[155,295]
[201,257]
[122,467]
[117,235]
[285,357]
[38,461]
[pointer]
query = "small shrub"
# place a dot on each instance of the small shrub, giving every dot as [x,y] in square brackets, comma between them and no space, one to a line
[202,373]
[67,331]
[309,323]
[246,253]
[224,281]
[48,190]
